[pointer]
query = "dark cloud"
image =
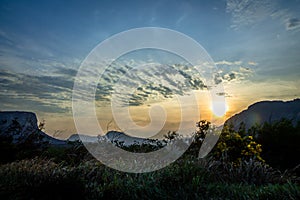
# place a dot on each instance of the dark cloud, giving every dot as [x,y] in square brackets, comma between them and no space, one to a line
[223,94]
[292,24]
[230,77]
[154,81]
[217,79]
[47,93]
[66,71]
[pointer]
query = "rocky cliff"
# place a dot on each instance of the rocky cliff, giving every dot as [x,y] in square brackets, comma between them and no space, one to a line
[23,125]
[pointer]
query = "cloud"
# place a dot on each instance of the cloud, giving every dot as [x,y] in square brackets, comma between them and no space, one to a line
[225,94]
[45,93]
[66,71]
[247,13]
[152,82]
[245,70]
[252,63]
[224,62]
[292,24]
[132,82]
[218,78]
[230,76]
[233,71]
[181,19]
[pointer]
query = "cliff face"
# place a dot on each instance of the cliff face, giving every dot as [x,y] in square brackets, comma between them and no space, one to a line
[266,111]
[21,125]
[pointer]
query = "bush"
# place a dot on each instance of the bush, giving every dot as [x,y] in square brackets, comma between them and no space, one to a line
[237,147]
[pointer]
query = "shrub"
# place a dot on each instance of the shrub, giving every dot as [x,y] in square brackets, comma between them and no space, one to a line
[237,147]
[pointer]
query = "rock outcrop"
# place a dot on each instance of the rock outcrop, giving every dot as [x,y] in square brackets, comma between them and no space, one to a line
[22,126]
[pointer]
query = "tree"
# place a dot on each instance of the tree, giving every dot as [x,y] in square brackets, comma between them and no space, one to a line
[202,129]
[41,125]
[171,135]
[280,140]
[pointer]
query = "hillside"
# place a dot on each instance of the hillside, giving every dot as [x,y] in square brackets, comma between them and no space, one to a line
[266,111]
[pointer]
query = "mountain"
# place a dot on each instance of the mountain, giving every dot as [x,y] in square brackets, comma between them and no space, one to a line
[22,126]
[266,111]
[113,136]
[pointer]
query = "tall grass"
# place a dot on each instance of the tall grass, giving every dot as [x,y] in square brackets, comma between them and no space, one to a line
[184,179]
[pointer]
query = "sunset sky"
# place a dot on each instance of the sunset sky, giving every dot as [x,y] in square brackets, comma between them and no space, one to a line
[255,46]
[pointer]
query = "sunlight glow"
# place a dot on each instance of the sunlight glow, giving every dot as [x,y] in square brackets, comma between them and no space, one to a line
[219,108]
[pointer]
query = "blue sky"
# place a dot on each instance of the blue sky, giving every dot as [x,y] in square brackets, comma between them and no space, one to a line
[42,44]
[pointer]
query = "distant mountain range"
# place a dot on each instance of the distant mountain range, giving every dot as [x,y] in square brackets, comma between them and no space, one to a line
[113,136]
[22,125]
[266,111]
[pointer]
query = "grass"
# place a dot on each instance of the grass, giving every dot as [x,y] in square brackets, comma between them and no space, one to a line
[185,179]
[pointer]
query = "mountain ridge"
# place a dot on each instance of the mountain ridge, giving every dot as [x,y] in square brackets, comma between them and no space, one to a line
[114,137]
[266,111]
[21,125]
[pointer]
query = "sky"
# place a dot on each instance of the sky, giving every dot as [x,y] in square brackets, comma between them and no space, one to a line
[254,44]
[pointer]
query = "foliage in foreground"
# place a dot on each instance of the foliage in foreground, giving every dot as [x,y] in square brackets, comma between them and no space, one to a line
[184,179]
[234,170]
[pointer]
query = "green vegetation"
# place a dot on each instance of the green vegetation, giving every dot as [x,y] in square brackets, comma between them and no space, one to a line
[237,146]
[45,179]
[239,167]
[280,143]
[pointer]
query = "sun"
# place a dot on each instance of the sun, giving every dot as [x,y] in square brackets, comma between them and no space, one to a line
[219,108]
